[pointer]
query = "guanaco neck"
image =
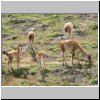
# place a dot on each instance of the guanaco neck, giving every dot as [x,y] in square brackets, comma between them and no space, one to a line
[82,51]
[18,49]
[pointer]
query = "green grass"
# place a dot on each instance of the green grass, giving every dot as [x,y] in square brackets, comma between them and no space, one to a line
[48,28]
[94,26]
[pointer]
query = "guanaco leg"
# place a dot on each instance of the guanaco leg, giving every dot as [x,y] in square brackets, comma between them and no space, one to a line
[64,59]
[10,63]
[73,54]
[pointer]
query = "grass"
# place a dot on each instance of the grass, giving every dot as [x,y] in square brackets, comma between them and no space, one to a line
[48,30]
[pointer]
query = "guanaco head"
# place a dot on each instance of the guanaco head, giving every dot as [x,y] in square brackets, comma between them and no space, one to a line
[19,47]
[89,58]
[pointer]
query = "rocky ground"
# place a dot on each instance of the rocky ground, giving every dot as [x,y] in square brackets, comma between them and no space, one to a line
[48,30]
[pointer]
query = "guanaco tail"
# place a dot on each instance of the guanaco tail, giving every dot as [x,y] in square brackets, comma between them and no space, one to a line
[31,36]
[73,46]
[68,29]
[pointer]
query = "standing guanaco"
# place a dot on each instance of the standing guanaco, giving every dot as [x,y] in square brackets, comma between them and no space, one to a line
[13,54]
[73,46]
[31,36]
[40,56]
[68,28]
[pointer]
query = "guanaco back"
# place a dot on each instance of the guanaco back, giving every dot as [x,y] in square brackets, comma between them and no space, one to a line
[73,46]
[68,29]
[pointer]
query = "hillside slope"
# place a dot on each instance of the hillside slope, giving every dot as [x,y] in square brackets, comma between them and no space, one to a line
[48,30]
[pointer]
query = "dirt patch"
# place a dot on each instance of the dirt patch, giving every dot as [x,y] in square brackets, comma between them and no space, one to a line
[23,24]
[7,80]
[59,36]
[43,27]
[88,16]
[9,38]
[71,73]
[68,18]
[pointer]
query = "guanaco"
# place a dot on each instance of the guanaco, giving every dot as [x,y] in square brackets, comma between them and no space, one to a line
[68,29]
[13,54]
[41,58]
[31,36]
[73,46]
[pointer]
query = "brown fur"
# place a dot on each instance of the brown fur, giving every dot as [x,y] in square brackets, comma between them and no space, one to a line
[73,46]
[13,54]
[68,28]
[31,36]
[41,55]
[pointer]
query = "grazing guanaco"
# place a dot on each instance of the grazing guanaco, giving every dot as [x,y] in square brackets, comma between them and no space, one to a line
[13,54]
[68,28]
[73,46]
[31,36]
